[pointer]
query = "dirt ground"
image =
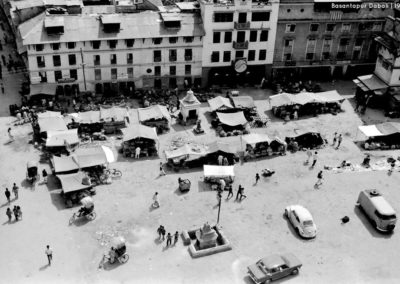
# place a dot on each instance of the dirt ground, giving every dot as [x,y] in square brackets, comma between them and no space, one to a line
[350,253]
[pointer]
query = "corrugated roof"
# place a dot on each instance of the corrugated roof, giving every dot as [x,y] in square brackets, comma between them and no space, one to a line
[88,27]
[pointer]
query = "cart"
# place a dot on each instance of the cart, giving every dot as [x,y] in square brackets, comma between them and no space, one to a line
[184,185]
[32,171]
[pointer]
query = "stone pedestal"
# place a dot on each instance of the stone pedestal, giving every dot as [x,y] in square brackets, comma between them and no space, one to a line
[206,237]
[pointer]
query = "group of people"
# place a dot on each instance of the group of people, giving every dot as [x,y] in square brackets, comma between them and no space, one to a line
[161,236]
[16,211]
[223,161]
[7,193]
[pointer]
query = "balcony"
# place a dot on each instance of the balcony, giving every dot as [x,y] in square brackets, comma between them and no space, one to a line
[188,58]
[240,45]
[242,26]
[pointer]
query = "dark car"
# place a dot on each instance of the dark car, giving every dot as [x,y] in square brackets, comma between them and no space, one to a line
[274,267]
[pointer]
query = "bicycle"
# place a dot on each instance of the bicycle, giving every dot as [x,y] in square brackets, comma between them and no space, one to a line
[113,173]
[90,216]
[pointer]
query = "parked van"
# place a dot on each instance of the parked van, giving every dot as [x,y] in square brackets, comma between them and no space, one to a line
[378,210]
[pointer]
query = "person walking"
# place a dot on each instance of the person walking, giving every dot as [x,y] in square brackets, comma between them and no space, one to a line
[339,141]
[19,213]
[309,156]
[176,237]
[315,158]
[137,153]
[44,174]
[257,177]
[320,178]
[9,214]
[240,194]
[49,253]
[163,232]
[8,194]
[156,203]
[334,139]
[230,192]
[162,172]
[222,184]
[15,211]
[392,165]
[10,134]
[159,231]
[15,190]
[169,239]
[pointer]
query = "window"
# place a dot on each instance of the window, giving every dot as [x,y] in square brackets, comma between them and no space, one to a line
[330,27]
[341,55]
[130,42]
[172,55]
[129,58]
[157,40]
[188,39]
[188,55]
[356,54]
[188,69]
[215,56]
[287,56]
[242,17]
[113,59]
[114,73]
[39,47]
[314,27]
[157,70]
[290,28]
[97,74]
[73,73]
[71,45]
[157,55]
[112,43]
[326,55]
[96,60]
[55,46]
[252,55]
[344,41]
[56,60]
[262,55]
[264,35]
[71,59]
[172,70]
[40,61]
[57,75]
[172,83]
[223,17]
[377,27]
[216,37]
[227,56]
[239,54]
[309,56]
[96,44]
[346,27]
[253,36]
[260,16]
[130,72]
[173,39]
[310,48]
[288,42]
[228,37]
[241,36]
[359,42]
[43,77]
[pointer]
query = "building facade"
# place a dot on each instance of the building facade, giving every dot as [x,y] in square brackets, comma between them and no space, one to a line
[318,39]
[114,53]
[239,40]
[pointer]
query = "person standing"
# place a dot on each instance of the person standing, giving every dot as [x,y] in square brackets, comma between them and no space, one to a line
[49,253]
[137,152]
[225,161]
[10,134]
[9,214]
[315,158]
[8,194]
[334,139]
[159,231]
[320,178]
[392,165]
[15,190]
[230,193]
[257,177]
[44,174]
[176,237]
[220,160]
[15,211]
[222,184]
[162,172]
[339,141]
[156,203]
[169,239]
[163,232]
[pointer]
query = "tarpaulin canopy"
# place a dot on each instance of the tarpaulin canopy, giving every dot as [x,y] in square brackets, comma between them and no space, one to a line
[153,112]
[47,114]
[64,164]
[218,171]
[302,131]
[89,117]
[219,103]
[371,82]
[73,182]
[62,138]
[52,124]
[305,98]
[139,131]
[43,89]
[383,129]
[116,113]
[243,102]
[89,157]
[219,146]
[186,149]
[254,138]
[232,119]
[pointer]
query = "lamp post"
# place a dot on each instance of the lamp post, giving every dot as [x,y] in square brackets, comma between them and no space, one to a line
[219,195]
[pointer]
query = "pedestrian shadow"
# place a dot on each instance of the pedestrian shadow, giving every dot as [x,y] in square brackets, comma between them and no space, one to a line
[5,204]
[8,142]
[152,208]
[44,267]
[165,248]
[158,241]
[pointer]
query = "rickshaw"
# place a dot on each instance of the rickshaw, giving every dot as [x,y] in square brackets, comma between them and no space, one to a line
[117,251]
[87,210]
[32,171]
[184,184]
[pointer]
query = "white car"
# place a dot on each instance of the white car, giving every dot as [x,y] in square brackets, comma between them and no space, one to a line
[301,220]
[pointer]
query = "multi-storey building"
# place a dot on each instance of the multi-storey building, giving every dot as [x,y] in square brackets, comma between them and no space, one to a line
[320,39]
[114,52]
[239,40]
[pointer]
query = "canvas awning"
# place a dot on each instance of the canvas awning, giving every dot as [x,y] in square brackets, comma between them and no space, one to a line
[254,138]
[219,103]
[370,130]
[89,157]
[186,150]
[243,102]
[305,98]
[73,182]
[382,129]
[62,138]
[219,146]
[52,124]
[232,119]
[116,113]
[89,117]
[139,131]
[64,164]
[371,82]
[47,114]
[153,112]
[43,89]
[218,171]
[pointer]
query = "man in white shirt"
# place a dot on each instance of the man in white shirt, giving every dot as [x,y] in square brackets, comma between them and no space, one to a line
[49,253]
[137,152]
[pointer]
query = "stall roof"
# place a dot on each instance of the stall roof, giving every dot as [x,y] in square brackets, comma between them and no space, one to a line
[302,131]
[47,114]
[219,102]
[89,157]
[218,171]
[52,124]
[372,82]
[186,149]
[220,146]
[64,164]
[305,98]
[42,89]
[73,182]
[243,102]
[383,129]
[61,138]
[139,131]
[255,138]
[153,112]
[89,117]
[232,119]
[117,113]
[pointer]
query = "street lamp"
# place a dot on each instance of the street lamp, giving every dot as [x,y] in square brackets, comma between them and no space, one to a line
[219,196]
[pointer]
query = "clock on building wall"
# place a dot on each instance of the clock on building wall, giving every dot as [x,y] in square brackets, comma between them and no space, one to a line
[240,65]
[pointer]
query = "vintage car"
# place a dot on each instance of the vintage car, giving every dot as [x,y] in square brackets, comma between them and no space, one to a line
[301,220]
[274,267]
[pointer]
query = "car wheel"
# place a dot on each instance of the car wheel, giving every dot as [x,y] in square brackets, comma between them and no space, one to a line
[295,271]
